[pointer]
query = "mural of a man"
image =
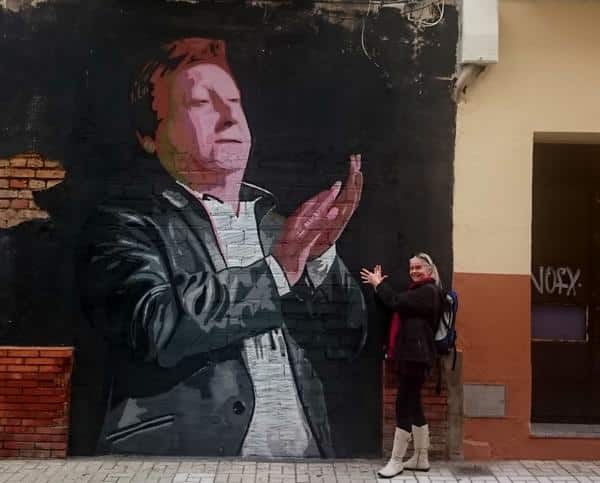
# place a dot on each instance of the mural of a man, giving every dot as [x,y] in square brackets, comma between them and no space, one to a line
[218,311]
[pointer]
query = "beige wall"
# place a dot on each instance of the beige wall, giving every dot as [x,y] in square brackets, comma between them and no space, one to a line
[548,79]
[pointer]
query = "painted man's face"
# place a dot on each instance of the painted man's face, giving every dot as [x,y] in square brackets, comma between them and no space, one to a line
[204,128]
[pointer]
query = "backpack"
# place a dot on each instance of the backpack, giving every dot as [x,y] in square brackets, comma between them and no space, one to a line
[445,336]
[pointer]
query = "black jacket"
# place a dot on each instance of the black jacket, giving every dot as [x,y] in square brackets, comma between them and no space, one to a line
[156,284]
[419,315]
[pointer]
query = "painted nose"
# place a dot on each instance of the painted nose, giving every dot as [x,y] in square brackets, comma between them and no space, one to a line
[226,118]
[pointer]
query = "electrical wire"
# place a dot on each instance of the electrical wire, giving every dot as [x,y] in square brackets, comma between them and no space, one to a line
[396,4]
[362,36]
[361,2]
[438,4]
[440,8]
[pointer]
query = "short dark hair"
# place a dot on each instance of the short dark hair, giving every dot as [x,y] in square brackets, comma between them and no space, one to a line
[148,86]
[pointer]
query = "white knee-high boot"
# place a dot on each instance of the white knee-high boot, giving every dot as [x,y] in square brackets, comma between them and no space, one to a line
[420,460]
[394,465]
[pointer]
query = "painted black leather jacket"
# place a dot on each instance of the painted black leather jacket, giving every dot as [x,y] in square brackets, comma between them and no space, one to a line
[155,283]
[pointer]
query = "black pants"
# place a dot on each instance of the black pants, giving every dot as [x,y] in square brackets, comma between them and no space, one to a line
[409,409]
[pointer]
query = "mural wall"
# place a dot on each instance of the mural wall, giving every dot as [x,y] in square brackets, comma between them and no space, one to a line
[187,193]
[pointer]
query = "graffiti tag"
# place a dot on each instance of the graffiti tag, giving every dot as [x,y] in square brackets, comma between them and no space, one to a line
[556,280]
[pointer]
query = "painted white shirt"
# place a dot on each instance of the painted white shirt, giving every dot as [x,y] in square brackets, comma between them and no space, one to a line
[278,426]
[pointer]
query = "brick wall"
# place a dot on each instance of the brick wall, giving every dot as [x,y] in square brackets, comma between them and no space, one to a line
[34,401]
[20,176]
[436,412]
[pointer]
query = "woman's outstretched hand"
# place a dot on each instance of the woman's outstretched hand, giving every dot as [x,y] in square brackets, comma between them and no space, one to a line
[373,278]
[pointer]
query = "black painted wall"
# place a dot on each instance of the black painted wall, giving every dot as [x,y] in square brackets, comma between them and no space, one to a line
[311,96]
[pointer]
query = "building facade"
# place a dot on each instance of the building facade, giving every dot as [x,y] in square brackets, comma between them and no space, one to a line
[523,221]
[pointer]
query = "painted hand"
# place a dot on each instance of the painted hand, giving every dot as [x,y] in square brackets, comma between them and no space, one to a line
[373,278]
[342,210]
[302,230]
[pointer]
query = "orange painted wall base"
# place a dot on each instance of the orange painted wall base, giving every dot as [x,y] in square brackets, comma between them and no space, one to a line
[494,334]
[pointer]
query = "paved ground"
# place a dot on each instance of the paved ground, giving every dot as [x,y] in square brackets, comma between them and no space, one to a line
[161,470]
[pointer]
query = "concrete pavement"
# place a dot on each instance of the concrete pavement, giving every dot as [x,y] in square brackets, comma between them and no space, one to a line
[162,470]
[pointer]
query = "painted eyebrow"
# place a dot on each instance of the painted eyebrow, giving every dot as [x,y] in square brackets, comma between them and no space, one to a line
[205,87]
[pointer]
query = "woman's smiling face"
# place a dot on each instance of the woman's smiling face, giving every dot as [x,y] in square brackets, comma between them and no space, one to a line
[419,269]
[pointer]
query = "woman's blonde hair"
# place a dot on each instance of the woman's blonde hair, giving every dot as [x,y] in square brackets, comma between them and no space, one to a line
[429,261]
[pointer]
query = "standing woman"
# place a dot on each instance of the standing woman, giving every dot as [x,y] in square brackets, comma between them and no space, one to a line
[412,346]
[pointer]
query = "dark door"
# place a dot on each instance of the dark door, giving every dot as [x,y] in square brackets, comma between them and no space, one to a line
[565,284]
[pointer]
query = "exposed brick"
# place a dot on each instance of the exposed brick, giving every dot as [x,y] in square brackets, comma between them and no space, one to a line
[3,183]
[21,368]
[18,162]
[34,405]
[37,422]
[19,436]
[41,361]
[65,352]
[27,398]
[16,352]
[4,203]
[52,164]
[32,205]
[19,429]
[39,408]
[53,438]
[18,444]
[9,453]
[45,391]
[4,163]
[33,214]
[51,407]
[8,194]
[33,414]
[9,376]
[52,369]
[18,204]
[46,383]
[35,163]
[18,183]
[25,194]
[53,430]
[21,173]
[37,184]
[49,174]
[38,453]
[10,421]
[10,390]
[37,377]
[50,445]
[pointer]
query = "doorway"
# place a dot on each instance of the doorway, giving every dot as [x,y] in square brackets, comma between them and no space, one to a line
[565,284]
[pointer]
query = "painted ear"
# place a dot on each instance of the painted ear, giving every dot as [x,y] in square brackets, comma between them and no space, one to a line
[147,143]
